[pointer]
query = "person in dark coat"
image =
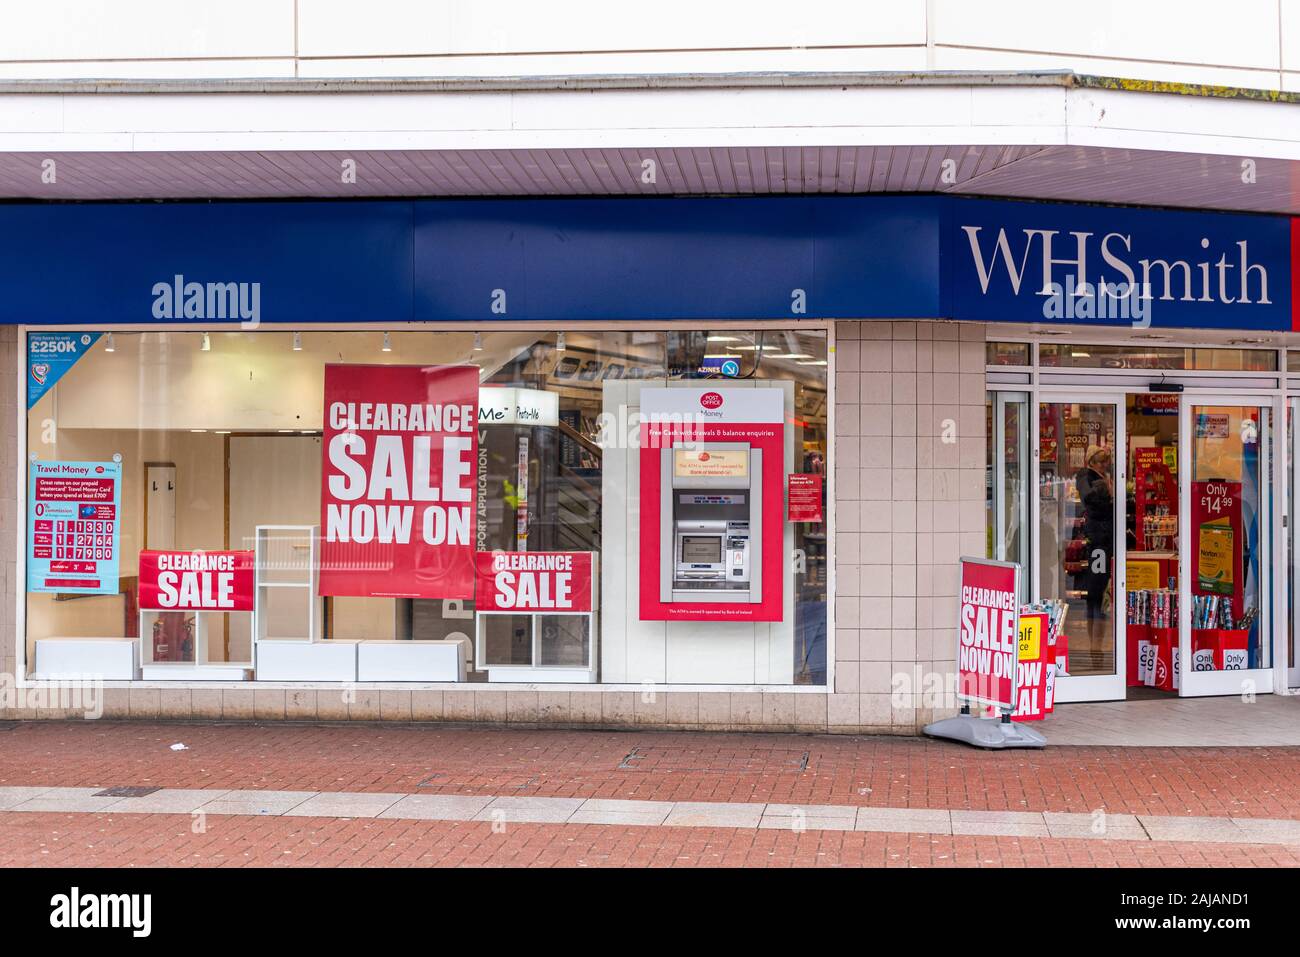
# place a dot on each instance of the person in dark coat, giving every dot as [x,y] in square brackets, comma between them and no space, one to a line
[1096,487]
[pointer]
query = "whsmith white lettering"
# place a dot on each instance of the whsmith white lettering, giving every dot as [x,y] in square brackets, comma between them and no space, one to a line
[1209,280]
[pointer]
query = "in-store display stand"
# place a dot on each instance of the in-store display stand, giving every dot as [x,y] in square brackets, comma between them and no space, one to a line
[287,645]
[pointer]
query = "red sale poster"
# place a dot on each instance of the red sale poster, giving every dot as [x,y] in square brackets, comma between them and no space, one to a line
[399,462]
[987,633]
[196,581]
[555,582]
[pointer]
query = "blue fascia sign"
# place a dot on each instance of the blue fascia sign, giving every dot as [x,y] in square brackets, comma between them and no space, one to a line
[651,260]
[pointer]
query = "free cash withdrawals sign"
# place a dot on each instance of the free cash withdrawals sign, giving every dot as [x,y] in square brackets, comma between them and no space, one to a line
[399,461]
[987,623]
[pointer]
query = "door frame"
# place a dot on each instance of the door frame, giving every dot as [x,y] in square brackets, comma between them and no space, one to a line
[1272,599]
[1110,687]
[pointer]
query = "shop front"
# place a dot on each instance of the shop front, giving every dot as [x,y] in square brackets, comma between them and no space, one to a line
[681,463]
[1152,499]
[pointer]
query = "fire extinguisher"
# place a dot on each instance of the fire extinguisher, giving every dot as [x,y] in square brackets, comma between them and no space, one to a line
[161,646]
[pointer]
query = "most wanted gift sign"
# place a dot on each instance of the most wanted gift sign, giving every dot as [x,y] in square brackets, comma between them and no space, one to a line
[399,457]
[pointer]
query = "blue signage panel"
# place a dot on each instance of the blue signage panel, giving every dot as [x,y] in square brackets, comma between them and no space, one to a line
[1061,263]
[654,259]
[205,262]
[634,259]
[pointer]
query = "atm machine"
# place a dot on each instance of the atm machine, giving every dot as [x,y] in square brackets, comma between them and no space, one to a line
[711,513]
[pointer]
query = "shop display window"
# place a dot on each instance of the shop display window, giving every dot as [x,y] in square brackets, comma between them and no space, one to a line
[207,547]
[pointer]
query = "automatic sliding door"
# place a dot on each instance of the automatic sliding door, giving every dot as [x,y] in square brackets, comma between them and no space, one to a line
[1080,502]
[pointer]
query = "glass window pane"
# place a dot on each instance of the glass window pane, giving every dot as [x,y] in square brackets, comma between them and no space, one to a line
[1229,537]
[1077,527]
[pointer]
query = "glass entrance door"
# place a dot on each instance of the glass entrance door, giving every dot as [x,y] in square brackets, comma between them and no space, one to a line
[1292,586]
[1007,493]
[1226,640]
[1079,505]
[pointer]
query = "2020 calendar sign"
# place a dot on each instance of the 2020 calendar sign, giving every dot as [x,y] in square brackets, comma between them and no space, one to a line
[74,524]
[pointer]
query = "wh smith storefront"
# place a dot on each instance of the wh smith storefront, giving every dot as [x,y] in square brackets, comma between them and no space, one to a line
[667,462]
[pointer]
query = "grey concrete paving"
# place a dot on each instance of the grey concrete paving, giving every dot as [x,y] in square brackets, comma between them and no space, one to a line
[504,810]
[1268,720]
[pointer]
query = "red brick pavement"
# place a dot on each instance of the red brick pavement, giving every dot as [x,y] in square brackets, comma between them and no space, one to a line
[812,769]
[90,840]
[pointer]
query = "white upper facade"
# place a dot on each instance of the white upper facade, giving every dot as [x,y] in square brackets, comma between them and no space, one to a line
[1248,43]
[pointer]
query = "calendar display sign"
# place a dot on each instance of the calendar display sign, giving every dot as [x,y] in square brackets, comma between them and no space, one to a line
[74,524]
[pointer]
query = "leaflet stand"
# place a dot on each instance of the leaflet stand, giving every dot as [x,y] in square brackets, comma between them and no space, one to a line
[991,733]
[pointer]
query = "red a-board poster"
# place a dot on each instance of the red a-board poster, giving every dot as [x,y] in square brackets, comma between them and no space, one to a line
[196,580]
[988,617]
[399,462]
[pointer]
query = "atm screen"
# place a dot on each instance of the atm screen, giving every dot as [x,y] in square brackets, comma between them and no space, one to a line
[702,549]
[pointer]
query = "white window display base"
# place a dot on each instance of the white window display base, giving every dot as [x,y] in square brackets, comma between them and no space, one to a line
[524,674]
[112,659]
[180,671]
[297,660]
[441,660]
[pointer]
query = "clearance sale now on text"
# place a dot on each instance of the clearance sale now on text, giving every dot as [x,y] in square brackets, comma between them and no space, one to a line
[431,476]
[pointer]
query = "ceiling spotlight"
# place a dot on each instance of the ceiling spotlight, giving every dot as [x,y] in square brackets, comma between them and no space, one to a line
[388,343]
[108,343]
[559,342]
[297,342]
[207,343]
[478,342]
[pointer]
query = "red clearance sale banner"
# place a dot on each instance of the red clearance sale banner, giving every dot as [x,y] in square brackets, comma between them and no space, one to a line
[556,582]
[987,623]
[196,581]
[399,462]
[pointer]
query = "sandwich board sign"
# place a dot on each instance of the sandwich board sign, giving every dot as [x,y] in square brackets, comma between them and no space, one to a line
[988,625]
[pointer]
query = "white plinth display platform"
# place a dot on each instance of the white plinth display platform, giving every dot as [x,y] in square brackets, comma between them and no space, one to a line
[296,660]
[113,659]
[442,660]
[181,671]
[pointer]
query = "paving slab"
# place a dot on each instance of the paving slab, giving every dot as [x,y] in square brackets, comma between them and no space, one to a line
[706,814]
[272,803]
[812,817]
[1210,830]
[437,807]
[71,800]
[13,796]
[170,801]
[345,804]
[526,810]
[904,820]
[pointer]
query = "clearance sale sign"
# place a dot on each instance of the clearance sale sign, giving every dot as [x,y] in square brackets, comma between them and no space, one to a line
[399,457]
[987,623]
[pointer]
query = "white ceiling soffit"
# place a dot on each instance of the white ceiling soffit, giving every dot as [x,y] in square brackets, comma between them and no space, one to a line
[1045,136]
